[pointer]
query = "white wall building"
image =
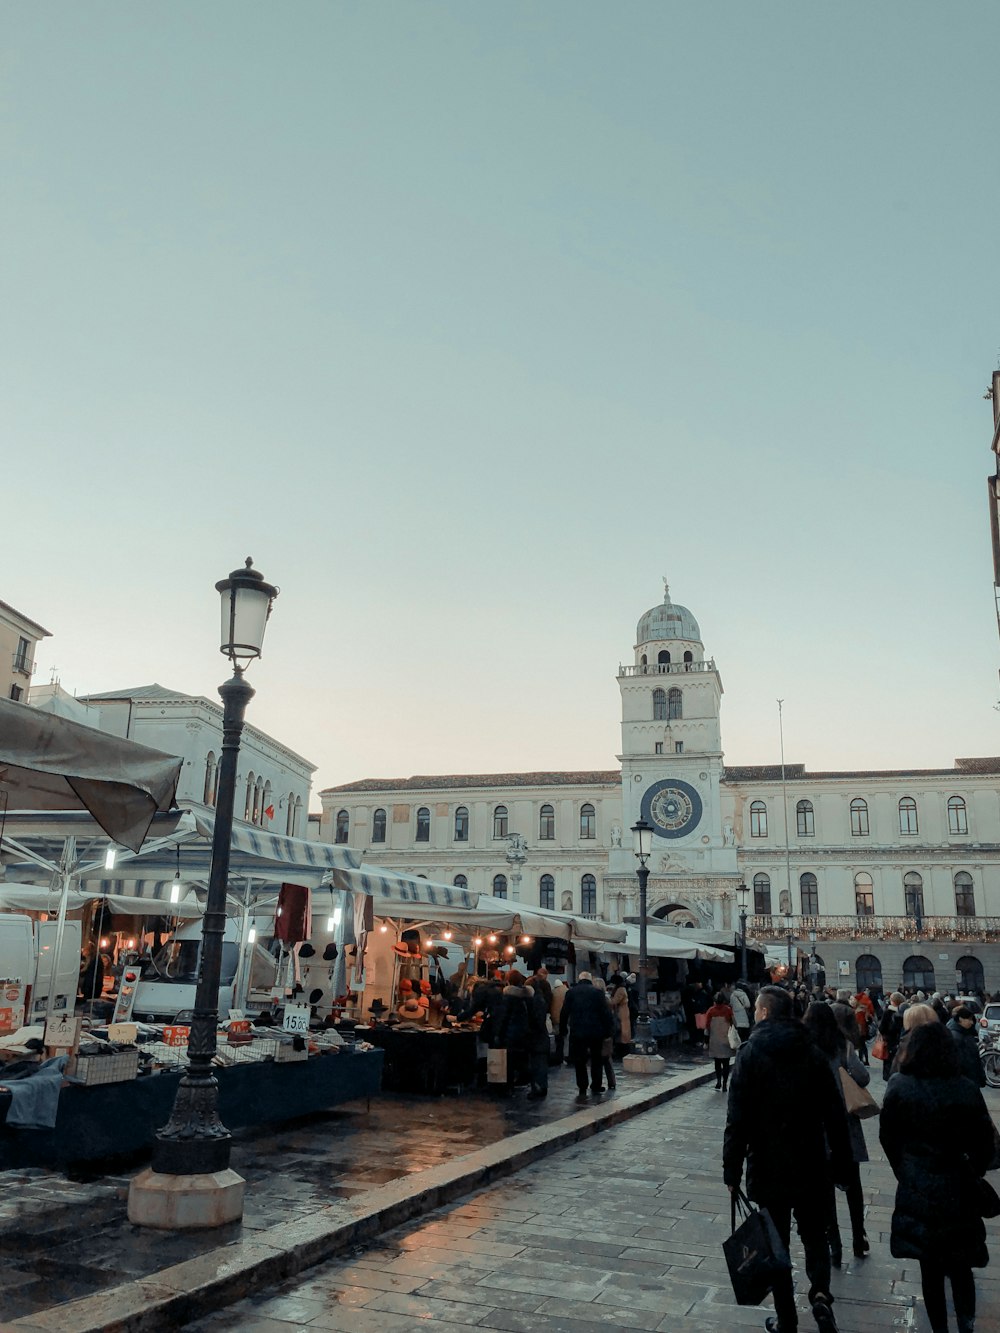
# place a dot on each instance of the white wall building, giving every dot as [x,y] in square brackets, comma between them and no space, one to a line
[897,873]
[18,639]
[272,784]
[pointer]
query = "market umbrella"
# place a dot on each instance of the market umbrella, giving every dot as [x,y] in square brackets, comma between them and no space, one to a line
[50,763]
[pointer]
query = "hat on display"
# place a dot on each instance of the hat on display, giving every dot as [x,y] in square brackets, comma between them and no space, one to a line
[425,987]
[330,952]
[315,995]
[405,985]
[410,1008]
[377,1007]
[306,950]
[402,949]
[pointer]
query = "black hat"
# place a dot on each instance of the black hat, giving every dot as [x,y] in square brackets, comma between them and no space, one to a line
[377,1007]
[306,950]
[330,952]
[315,995]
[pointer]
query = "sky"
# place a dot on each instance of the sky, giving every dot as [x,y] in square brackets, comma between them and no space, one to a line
[471,322]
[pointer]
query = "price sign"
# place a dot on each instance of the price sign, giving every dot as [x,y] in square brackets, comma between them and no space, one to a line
[296,1018]
[176,1036]
[123,1032]
[61,1033]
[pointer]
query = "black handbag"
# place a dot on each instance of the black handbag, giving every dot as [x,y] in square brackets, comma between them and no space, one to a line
[986,1197]
[755,1255]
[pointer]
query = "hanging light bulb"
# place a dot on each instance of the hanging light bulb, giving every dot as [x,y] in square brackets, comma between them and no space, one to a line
[383,929]
[525,939]
[447,934]
[251,935]
[175,890]
[492,939]
[110,857]
[478,941]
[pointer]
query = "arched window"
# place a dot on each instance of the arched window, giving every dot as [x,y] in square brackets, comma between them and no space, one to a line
[499,886]
[913,894]
[265,804]
[546,822]
[248,803]
[462,824]
[588,822]
[869,972]
[296,812]
[809,894]
[965,895]
[378,825]
[805,820]
[859,818]
[762,895]
[209,797]
[958,819]
[423,824]
[659,705]
[588,895]
[343,826]
[567,900]
[784,903]
[918,974]
[643,660]
[460,882]
[500,822]
[907,816]
[546,891]
[969,975]
[675,704]
[663,657]
[864,894]
[290,814]
[758,819]
[258,792]
[688,657]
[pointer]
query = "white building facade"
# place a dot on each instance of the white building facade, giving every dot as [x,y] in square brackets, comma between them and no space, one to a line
[897,874]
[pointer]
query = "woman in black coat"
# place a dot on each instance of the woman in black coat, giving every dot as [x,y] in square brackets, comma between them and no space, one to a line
[938,1137]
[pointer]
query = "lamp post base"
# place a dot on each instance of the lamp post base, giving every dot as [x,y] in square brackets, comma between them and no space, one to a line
[634,1063]
[185,1203]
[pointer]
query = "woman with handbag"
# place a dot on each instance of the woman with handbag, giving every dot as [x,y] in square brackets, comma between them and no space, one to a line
[837,1045]
[720,1021]
[938,1137]
[890,1034]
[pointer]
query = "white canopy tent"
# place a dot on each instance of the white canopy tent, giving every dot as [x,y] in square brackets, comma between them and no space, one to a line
[659,945]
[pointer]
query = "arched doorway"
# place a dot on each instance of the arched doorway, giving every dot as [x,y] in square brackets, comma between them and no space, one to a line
[869,972]
[676,914]
[918,973]
[969,975]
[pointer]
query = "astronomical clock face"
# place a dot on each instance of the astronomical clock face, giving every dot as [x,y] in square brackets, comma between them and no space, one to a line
[672,807]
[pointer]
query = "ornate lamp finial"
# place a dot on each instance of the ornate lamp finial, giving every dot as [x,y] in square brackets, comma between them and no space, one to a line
[666,591]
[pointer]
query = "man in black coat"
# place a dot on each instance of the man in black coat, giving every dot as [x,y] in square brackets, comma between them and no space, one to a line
[587,1016]
[784,1109]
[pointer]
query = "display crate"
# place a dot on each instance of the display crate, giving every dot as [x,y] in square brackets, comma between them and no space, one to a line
[118,1068]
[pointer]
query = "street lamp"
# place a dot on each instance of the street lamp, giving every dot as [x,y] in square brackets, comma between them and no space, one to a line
[194,1142]
[741,893]
[642,845]
[788,929]
[813,966]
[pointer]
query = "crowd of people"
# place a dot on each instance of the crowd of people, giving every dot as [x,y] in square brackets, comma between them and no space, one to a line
[788,1130]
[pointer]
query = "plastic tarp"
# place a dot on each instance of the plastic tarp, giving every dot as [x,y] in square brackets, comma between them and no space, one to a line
[50,763]
[35,898]
[659,945]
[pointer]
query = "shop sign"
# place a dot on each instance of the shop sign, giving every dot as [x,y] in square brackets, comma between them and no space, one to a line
[61,1033]
[11,1004]
[176,1036]
[124,1032]
[296,1018]
[844,967]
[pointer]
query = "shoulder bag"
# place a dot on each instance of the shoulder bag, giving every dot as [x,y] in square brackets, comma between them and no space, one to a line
[880,1050]
[754,1253]
[735,1041]
[859,1101]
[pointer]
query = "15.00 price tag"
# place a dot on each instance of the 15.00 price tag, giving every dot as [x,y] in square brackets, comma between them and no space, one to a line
[296,1018]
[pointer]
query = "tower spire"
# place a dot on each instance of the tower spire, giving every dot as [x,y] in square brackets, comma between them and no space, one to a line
[666,591]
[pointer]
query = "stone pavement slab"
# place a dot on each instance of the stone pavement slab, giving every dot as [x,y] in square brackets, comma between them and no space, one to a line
[584,1249]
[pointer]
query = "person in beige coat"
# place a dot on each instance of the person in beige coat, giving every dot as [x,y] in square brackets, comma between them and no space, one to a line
[623,1022]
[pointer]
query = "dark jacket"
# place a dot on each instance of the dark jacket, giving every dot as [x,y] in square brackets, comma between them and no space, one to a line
[519,1019]
[938,1137]
[891,1027]
[784,1109]
[586,1013]
[967,1044]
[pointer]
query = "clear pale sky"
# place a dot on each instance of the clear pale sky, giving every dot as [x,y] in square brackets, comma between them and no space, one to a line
[469,322]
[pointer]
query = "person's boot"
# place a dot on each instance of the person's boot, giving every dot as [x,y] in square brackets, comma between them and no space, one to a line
[823,1315]
[860,1245]
[966,1323]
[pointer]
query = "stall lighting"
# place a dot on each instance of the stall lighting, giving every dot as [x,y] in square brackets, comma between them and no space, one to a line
[477,941]
[251,935]
[492,939]
[447,934]
[509,948]
[175,890]
[130,944]
[525,939]
[383,929]
[110,856]
[104,944]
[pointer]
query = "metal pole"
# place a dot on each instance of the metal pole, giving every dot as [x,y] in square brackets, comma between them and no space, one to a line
[67,867]
[743,943]
[784,807]
[194,1140]
[643,1034]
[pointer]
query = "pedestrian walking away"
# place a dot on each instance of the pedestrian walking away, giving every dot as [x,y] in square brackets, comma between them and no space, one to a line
[586,1018]
[787,1124]
[720,1020]
[938,1137]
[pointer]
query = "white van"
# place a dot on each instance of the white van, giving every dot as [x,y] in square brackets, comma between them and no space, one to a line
[169,982]
[27,950]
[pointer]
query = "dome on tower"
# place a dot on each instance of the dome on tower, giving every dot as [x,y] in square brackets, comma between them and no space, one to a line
[667,621]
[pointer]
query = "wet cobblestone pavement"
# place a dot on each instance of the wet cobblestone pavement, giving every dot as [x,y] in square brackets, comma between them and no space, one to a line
[61,1239]
[623,1231]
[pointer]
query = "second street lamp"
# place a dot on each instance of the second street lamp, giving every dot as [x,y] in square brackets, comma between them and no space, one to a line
[194,1142]
[741,892]
[643,1057]
[788,929]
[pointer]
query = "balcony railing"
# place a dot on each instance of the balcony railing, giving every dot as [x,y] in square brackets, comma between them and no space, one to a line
[22,664]
[875,928]
[667,668]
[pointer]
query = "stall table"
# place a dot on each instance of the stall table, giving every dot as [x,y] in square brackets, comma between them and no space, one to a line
[109,1120]
[428,1060]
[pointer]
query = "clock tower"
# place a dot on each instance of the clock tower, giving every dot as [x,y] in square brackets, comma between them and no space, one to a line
[671,769]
